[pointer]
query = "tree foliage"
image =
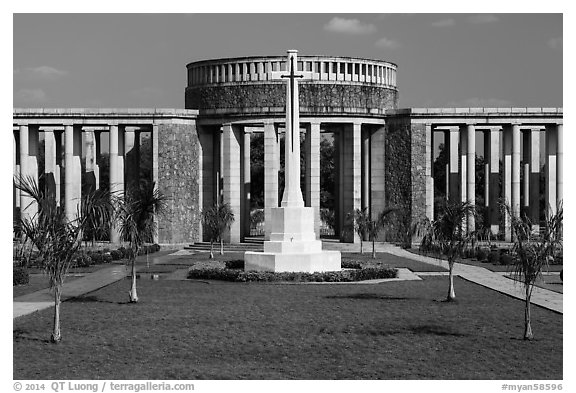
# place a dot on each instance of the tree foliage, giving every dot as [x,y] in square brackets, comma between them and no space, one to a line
[216,221]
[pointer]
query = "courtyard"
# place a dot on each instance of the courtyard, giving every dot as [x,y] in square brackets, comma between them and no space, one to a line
[203,329]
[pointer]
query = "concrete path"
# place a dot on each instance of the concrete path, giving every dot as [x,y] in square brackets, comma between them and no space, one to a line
[493,280]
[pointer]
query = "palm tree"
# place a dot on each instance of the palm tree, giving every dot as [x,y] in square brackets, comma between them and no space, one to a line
[56,238]
[448,235]
[216,221]
[136,221]
[358,223]
[375,226]
[532,251]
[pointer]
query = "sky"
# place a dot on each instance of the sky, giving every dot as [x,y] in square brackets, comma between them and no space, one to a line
[139,60]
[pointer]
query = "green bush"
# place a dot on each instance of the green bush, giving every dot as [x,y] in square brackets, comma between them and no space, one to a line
[116,255]
[351,264]
[237,275]
[122,250]
[97,258]
[107,258]
[235,264]
[83,260]
[20,276]
[481,254]
[506,259]
[494,257]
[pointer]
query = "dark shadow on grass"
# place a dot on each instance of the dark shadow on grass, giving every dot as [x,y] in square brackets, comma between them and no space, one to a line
[368,296]
[93,299]
[22,335]
[420,330]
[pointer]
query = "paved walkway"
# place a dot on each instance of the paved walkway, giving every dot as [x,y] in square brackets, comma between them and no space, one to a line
[43,299]
[493,280]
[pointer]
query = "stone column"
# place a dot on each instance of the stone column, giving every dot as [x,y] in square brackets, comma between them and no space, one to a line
[312,145]
[231,136]
[91,161]
[525,172]
[494,180]
[515,204]
[533,195]
[463,163]
[73,168]
[271,167]
[52,162]
[15,172]
[471,171]
[377,174]
[507,178]
[559,163]
[365,170]
[131,157]
[28,167]
[338,182]
[551,167]
[454,180]
[154,136]
[429,174]
[246,180]
[116,175]
[352,177]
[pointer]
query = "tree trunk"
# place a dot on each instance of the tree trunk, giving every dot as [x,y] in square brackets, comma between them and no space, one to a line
[221,247]
[373,249]
[361,246]
[56,334]
[133,293]
[211,249]
[451,295]
[527,327]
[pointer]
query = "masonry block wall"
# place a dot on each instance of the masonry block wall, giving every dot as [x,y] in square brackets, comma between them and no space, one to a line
[419,156]
[271,98]
[398,176]
[179,179]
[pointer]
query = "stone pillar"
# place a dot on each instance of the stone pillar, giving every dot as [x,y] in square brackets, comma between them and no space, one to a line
[377,174]
[507,178]
[231,136]
[352,177]
[338,182]
[53,162]
[116,172]
[312,145]
[131,157]
[533,195]
[28,167]
[154,136]
[271,167]
[551,167]
[559,163]
[429,174]
[92,174]
[453,179]
[525,172]
[471,171]
[73,168]
[246,181]
[494,180]
[15,172]
[515,204]
[463,163]
[365,170]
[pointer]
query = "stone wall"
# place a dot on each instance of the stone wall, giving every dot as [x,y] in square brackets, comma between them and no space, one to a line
[398,176]
[178,178]
[418,177]
[269,97]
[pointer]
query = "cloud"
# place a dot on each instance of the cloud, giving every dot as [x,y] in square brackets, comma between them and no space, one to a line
[41,72]
[444,22]
[387,43]
[349,26]
[555,43]
[31,95]
[476,102]
[482,18]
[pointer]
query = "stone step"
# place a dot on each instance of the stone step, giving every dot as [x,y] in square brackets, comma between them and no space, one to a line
[205,246]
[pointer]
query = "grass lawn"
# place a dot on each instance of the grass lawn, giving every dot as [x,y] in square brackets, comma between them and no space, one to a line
[37,282]
[195,330]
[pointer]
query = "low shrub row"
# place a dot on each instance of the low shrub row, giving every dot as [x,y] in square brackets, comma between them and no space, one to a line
[238,275]
[351,264]
[20,276]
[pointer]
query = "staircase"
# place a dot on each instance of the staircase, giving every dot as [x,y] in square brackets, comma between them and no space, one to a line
[254,243]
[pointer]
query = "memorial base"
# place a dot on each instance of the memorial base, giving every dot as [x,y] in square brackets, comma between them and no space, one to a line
[293,246]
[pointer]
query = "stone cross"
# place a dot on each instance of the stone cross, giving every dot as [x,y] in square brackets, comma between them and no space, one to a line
[292,192]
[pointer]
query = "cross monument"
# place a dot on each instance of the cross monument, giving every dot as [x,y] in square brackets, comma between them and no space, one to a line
[292,246]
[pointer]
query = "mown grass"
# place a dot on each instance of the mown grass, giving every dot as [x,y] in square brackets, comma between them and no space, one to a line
[194,330]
